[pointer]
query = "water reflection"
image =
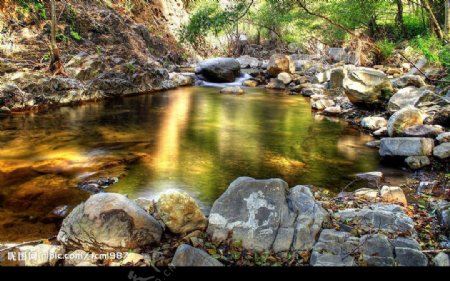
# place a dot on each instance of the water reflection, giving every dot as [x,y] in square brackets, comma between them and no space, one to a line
[193,139]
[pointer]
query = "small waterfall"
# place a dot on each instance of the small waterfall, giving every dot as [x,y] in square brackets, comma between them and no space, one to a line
[238,82]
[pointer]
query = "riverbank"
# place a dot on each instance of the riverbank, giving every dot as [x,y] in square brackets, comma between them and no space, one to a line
[255,222]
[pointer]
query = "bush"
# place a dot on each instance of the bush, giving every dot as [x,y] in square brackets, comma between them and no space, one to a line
[429,46]
[386,48]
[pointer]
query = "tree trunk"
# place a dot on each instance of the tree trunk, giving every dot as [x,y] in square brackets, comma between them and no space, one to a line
[56,64]
[447,17]
[399,17]
[433,20]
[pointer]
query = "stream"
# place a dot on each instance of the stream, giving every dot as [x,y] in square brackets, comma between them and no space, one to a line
[192,139]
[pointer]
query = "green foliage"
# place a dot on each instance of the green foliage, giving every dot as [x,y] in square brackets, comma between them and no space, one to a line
[60,37]
[386,48]
[208,18]
[34,6]
[75,35]
[45,57]
[429,46]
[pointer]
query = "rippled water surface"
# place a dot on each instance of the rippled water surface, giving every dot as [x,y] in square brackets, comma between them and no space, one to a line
[193,139]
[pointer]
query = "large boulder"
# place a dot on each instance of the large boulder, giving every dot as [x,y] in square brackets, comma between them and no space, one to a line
[280,63]
[248,62]
[377,250]
[406,147]
[186,255]
[366,87]
[180,213]
[265,216]
[406,117]
[109,222]
[409,96]
[220,70]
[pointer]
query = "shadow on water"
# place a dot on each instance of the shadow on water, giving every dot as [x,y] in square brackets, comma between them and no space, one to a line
[192,139]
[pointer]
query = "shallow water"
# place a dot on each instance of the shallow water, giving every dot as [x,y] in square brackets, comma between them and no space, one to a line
[192,139]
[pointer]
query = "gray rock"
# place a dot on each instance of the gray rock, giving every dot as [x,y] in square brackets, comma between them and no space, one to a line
[409,96]
[373,123]
[321,77]
[423,131]
[406,147]
[321,104]
[219,69]
[109,222]
[308,92]
[371,179]
[408,80]
[264,215]
[376,250]
[406,117]
[441,259]
[186,255]
[276,84]
[417,162]
[366,87]
[403,242]
[337,76]
[379,217]
[444,137]
[442,151]
[332,110]
[310,217]
[410,257]
[251,210]
[334,248]
[248,62]
[337,54]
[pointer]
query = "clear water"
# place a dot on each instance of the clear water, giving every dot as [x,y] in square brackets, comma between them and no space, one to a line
[193,139]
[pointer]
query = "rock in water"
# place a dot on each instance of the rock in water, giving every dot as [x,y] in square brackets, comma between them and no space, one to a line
[276,84]
[186,255]
[232,91]
[180,213]
[404,118]
[220,70]
[366,87]
[109,222]
[280,63]
[406,147]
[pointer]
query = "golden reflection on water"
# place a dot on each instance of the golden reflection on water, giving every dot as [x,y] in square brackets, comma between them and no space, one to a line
[192,139]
